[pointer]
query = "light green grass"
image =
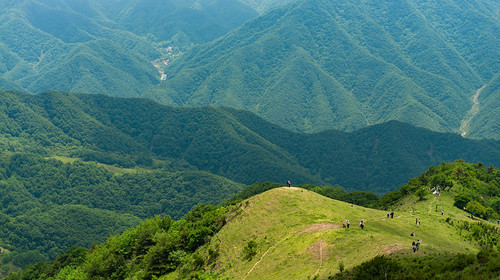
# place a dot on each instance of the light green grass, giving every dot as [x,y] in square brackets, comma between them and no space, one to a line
[278,220]
[111,168]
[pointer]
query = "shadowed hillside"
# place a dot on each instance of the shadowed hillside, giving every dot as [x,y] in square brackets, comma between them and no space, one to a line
[235,144]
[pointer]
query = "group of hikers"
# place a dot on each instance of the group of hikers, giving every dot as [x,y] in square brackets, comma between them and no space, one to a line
[346,224]
[415,246]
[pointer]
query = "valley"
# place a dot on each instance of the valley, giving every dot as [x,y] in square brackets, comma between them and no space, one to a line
[249,139]
[464,127]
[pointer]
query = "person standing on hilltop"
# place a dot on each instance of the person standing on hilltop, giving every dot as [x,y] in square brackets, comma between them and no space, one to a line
[288,184]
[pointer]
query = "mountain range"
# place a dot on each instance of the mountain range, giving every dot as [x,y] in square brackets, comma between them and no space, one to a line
[307,65]
[90,46]
[227,142]
[317,64]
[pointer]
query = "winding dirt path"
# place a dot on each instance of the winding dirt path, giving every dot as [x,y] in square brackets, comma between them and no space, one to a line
[464,124]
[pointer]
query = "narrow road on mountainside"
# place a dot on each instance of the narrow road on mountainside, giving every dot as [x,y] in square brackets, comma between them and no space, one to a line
[464,124]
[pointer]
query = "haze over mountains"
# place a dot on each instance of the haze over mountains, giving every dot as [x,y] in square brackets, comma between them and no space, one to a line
[320,64]
[307,65]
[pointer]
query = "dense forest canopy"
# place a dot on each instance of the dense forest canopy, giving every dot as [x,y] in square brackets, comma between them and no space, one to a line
[307,65]
[234,144]
[316,64]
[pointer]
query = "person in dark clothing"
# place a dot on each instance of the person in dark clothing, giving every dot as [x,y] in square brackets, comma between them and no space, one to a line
[362,224]
[288,183]
[413,246]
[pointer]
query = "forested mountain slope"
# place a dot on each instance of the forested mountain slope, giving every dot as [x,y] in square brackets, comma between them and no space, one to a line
[235,144]
[264,5]
[317,64]
[103,46]
[184,22]
[47,206]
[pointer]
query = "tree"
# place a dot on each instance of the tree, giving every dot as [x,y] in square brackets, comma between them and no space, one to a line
[476,208]
[461,200]
[421,193]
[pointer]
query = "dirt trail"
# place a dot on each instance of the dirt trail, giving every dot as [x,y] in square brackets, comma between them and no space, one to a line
[464,124]
[321,257]
[263,255]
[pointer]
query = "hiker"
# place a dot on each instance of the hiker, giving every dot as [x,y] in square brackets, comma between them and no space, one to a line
[413,246]
[343,225]
[418,221]
[442,212]
[392,214]
[387,215]
[418,244]
[288,183]
[412,234]
[362,224]
[347,223]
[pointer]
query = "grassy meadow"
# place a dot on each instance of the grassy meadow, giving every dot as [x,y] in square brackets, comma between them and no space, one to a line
[299,234]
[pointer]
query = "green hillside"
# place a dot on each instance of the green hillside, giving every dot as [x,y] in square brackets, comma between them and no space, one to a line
[314,65]
[293,233]
[234,144]
[47,206]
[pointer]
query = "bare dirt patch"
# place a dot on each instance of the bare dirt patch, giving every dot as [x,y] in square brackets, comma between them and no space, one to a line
[320,227]
[284,188]
[390,249]
[317,250]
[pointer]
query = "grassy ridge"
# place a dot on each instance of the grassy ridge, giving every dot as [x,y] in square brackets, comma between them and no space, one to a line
[299,234]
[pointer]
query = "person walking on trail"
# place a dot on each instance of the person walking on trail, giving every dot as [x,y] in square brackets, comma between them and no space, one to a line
[288,183]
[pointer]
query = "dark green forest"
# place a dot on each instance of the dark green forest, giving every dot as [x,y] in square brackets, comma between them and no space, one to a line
[47,206]
[234,144]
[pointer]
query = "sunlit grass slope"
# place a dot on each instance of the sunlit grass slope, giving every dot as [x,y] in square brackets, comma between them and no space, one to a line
[299,234]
